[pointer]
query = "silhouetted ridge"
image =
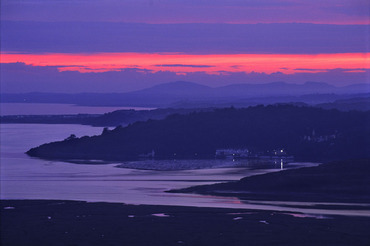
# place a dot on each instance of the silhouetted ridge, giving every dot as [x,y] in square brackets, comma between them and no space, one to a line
[304,132]
[182,93]
[340,181]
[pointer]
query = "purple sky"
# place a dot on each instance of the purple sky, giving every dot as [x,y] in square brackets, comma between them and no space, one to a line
[198,27]
[75,37]
[189,11]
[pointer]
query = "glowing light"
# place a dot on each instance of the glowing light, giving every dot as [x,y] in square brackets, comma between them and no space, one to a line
[186,63]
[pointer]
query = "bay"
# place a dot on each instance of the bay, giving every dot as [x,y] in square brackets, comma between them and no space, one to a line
[23,177]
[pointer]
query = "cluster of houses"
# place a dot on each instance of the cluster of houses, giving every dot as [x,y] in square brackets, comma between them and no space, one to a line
[247,154]
[235,154]
[318,139]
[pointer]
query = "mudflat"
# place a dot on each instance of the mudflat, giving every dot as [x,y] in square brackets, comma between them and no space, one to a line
[51,222]
[338,181]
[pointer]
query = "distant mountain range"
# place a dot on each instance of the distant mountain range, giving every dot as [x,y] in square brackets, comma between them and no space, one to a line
[188,94]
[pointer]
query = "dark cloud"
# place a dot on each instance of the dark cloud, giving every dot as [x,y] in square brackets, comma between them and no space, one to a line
[77,37]
[188,11]
[181,65]
[325,70]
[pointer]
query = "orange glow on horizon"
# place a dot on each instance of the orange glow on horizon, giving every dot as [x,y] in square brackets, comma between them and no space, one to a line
[319,22]
[187,63]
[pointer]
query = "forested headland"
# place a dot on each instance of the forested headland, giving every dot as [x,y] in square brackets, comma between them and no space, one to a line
[307,133]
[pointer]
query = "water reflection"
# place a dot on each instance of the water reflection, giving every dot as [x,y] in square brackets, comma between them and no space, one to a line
[56,109]
[22,177]
[170,165]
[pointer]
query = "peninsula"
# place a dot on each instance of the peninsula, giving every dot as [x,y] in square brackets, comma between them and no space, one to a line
[306,133]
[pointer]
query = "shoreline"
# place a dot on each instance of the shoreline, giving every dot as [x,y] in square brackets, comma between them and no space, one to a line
[337,181]
[57,222]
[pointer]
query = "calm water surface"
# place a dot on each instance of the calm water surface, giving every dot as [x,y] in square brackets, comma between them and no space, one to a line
[55,109]
[23,177]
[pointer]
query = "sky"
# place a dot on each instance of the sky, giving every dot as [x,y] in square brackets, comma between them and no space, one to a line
[126,45]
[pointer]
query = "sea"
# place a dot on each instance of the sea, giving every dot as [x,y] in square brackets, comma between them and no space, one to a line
[23,177]
[56,109]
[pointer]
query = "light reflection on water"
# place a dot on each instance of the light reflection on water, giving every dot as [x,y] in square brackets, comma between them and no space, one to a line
[23,177]
[234,164]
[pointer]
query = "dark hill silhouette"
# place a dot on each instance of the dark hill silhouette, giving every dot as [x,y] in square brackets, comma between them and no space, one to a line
[277,88]
[341,181]
[178,87]
[357,103]
[183,93]
[305,132]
